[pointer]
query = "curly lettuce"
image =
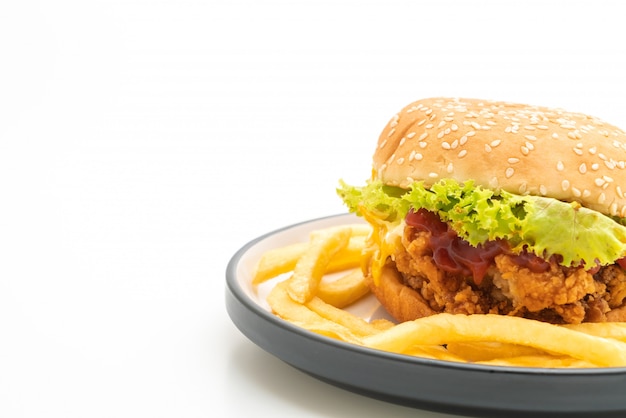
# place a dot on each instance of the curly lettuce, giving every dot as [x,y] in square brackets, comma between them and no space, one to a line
[542,225]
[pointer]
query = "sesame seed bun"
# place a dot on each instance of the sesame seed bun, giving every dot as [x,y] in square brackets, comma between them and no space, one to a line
[505,146]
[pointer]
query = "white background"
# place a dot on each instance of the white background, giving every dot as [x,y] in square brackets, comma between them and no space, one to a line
[143,142]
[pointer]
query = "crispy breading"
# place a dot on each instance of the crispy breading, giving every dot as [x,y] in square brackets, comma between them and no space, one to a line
[559,295]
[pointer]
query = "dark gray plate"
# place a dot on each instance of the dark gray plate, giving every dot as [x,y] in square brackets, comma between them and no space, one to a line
[442,386]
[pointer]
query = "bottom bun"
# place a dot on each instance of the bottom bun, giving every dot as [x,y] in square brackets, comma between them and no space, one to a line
[401,302]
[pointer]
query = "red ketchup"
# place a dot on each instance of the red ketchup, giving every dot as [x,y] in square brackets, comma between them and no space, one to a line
[453,254]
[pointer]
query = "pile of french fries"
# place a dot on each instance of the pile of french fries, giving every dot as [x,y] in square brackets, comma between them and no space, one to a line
[307,298]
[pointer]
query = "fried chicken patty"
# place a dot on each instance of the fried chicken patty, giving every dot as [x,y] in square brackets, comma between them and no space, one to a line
[561,295]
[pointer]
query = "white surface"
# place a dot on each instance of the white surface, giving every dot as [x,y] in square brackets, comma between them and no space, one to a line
[143,142]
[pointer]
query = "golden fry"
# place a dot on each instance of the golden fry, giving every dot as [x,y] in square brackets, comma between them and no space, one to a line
[349,257]
[545,361]
[489,350]
[282,260]
[613,330]
[311,267]
[278,261]
[435,352]
[306,300]
[355,324]
[345,290]
[283,306]
[447,328]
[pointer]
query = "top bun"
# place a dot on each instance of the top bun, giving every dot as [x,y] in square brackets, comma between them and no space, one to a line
[506,146]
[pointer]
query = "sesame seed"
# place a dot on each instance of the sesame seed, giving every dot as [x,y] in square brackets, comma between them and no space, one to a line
[530,146]
[509,172]
[592,150]
[411,135]
[463,140]
[613,208]
[601,198]
[421,122]
[495,143]
[423,136]
[522,188]
[599,182]
[576,192]
[470,133]
[462,153]
[423,144]
[608,179]
[524,150]
[391,132]
[543,190]
[565,185]
[450,168]
[530,137]
[487,148]
[513,160]
[586,193]
[382,144]
[578,151]
[429,126]
[560,166]
[418,156]
[454,127]
[441,124]
[555,135]
[618,189]
[582,168]
[445,145]
[400,161]
[433,175]
[493,183]
[440,134]
[402,141]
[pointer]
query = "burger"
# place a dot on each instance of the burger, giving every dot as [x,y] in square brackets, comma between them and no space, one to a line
[490,207]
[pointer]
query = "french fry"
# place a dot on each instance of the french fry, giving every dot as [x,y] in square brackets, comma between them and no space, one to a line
[278,261]
[314,304]
[311,267]
[282,260]
[345,290]
[446,328]
[545,361]
[435,352]
[349,257]
[283,306]
[355,324]
[613,330]
[483,351]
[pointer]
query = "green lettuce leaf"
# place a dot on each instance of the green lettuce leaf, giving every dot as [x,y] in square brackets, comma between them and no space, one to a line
[542,225]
